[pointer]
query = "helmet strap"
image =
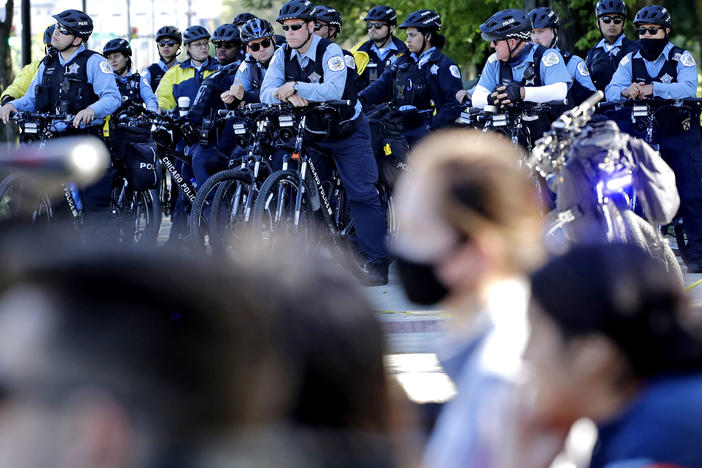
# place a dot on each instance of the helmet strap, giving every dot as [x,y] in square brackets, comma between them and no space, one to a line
[309,36]
[555,38]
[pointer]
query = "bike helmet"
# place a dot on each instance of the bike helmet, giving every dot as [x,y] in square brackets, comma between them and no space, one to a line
[328,15]
[194,33]
[610,7]
[227,33]
[506,24]
[80,24]
[117,45]
[382,13]
[543,17]
[422,19]
[653,14]
[296,9]
[242,18]
[48,32]
[255,28]
[169,31]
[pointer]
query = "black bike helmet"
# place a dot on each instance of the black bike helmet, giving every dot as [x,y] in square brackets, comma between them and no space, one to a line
[296,9]
[610,7]
[117,45]
[194,33]
[255,28]
[227,33]
[242,18]
[48,32]
[653,14]
[543,17]
[169,31]
[506,24]
[329,15]
[422,19]
[382,13]
[80,24]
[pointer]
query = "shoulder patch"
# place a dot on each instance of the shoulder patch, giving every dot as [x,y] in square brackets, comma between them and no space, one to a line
[582,69]
[625,61]
[105,67]
[455,71]
[336,63]
[550,59]
[492,58]
[350,62]
[687,59]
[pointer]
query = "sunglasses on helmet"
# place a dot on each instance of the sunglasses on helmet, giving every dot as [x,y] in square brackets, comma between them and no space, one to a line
[609,19]
[257,45]
[370,25]
[167,43]
[294,27]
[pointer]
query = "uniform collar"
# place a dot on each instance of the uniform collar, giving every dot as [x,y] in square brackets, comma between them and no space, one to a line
[63,62]
[209,64]
[664,53]
[389,47]
[311,51]
[124,78]
[426,56]
[603,45]
[523,55]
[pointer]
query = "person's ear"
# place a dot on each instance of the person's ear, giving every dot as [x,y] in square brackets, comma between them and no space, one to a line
[391,28]
[596,357]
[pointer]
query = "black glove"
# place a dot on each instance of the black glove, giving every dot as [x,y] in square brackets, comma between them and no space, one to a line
[513,92]
[492,99]
[190,135]
[6,99]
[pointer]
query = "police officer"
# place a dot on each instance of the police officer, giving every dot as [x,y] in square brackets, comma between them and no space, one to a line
[131,86]
[660,70]
[382,48]
[74,81]
[168,40]
[184,80]
[421,83]
[328,25]
[544,23]
[310,68]
[602,60]
[519,71]
[19,86]
[208,101]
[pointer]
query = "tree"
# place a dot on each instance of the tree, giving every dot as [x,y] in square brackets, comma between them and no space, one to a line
[6,76]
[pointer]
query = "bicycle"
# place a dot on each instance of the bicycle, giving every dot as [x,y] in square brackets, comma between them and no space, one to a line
[295,201]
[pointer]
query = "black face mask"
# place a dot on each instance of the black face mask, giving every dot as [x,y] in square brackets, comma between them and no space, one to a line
[652,48]
[420,282]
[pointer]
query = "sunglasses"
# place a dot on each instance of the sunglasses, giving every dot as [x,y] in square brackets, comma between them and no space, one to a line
[609,19]
[63,30]
[652,31]
[375,25]
[320,26]
[266,43]
[223,45]
[294,27]
[167,43]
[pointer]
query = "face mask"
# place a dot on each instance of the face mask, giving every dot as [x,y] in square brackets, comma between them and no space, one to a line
[652,48]
[420,282]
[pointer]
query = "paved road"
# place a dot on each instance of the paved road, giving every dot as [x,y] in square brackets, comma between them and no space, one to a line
[412,332]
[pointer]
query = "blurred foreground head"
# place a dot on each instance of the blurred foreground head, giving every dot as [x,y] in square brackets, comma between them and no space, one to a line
[466,213]
[606,321]
[121,358]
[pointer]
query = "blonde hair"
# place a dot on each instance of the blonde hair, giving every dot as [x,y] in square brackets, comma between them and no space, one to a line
[480,187]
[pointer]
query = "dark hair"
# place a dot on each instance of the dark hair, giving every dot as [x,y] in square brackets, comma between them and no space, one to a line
[620,291]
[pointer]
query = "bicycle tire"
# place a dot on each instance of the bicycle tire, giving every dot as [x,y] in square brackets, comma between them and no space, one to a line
[202,231]
[642,234]
[16,201]
[274,213]
[138,215]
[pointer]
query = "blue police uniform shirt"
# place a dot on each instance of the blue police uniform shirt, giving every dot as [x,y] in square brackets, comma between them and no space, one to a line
[145,91]
[100,75]
[162,65]
[244,78]
[685,87]
[331,89]
[383,53]
[552,69]
[612,49]
[579,72]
